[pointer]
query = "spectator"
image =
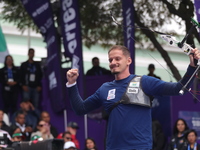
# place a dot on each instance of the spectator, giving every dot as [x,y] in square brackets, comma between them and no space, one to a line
[3,126]
[69,146]
[31,75]
[21,123]
[16,137]
[67,136]
[31,113]
[191,137]
[15,129]
[178,140]
[159,140]
[90,144]
[72,128]
[46,117]
[96,70]
[151,69]
[9,76]
[43,130]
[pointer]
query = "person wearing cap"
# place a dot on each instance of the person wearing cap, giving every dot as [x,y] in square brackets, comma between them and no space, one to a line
[151,69]
[69,146]
[17,137]
[72,127]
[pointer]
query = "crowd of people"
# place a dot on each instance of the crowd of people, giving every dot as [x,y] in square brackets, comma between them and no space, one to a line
[21,118]
[27,122]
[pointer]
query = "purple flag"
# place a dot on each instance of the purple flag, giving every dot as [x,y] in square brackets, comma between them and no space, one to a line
[71,33]
[197,6]
[127,6]
[42,15]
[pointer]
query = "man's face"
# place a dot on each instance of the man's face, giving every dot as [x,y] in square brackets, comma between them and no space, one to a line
[191,138]
[119,63]
[67,138]
[45,116]
[31,53]
[20,119]
[17,138]
[95,62]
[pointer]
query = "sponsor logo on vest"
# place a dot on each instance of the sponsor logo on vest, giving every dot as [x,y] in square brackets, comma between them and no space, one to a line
[132,90]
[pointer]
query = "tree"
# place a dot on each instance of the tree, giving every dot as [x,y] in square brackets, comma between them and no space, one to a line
[97,25]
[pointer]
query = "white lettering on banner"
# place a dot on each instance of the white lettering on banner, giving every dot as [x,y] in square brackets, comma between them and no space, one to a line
[48,23]
[43,30]
[128,29]
[196,122]
[75,61]
[72,45]
[40,10]
[66,4]
[69,14]
[50,41]
[52,81]
[51,58]
[46,26]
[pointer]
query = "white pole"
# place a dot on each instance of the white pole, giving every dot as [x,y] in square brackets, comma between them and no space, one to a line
[29,38]
[65,119]
[85,125]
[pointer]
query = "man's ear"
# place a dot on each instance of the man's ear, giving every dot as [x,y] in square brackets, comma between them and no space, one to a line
[129,60]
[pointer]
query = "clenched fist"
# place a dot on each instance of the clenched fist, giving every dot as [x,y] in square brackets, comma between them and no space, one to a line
[72,75]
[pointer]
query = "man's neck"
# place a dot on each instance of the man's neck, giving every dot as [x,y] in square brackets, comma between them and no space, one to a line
[30,60]
[121,76]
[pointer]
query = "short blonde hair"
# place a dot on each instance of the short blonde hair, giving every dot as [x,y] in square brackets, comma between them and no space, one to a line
[124,49]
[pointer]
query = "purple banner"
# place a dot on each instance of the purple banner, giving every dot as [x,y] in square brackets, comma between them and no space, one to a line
[42,15]
[192,119]
[197,6]
[71,32]
[127,6]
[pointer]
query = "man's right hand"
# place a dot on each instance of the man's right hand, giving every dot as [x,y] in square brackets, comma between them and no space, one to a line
[72,75]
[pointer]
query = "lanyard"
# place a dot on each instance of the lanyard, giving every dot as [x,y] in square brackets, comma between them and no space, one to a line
[10,74]
[32,68]
[195,147]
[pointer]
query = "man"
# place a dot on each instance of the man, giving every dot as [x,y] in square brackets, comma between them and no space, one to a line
[32,115]
[67,136]
[20,122]
[151,69]
[31,76]
[125,99]
[46,117]
[72,127]
[96,70]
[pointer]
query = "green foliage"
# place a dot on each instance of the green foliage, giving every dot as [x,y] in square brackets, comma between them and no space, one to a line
[14,12]
[96,22]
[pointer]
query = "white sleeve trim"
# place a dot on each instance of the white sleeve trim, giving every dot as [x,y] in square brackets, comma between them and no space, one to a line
[70,85]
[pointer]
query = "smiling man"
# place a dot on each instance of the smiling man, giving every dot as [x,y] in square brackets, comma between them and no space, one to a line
[127,100]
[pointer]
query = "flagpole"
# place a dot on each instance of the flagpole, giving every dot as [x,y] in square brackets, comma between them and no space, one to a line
[29,38]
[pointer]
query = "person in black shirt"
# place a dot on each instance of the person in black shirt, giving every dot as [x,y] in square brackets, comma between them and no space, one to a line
[31,75]
[96,70]
[151,69]
[9,77]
